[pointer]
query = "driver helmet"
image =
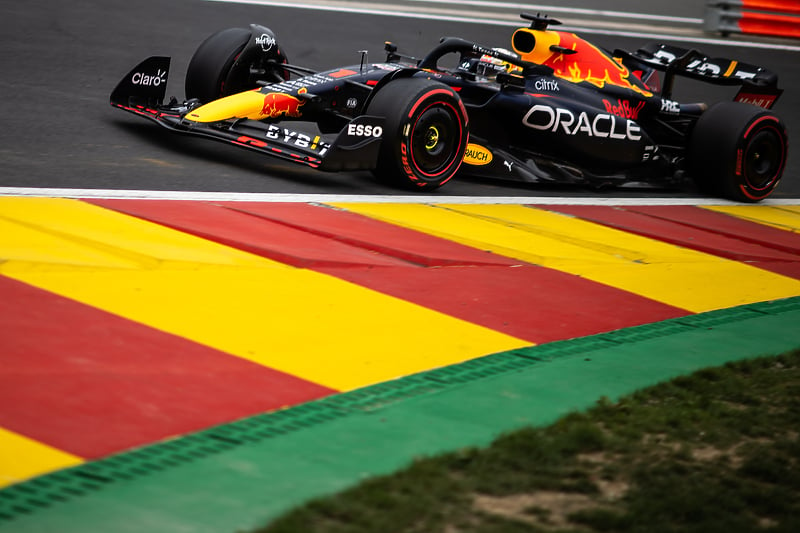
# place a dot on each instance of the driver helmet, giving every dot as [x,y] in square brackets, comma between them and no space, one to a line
[489,67]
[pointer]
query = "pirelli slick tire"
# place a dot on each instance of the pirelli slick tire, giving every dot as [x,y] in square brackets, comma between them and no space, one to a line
[738,151]
[228,62]
[425,134]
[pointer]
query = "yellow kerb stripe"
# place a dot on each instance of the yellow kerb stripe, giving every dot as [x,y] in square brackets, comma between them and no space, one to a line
[22,458]
[670,274]
[784,217]
[307,324]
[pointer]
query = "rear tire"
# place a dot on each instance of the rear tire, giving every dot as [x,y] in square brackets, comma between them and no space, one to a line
[425,133]
[219,69]
[738,151]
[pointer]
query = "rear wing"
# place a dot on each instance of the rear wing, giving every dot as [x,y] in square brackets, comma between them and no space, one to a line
[759,86]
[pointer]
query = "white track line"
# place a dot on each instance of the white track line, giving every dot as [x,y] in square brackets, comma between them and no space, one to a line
[382,11]
[330,198]
[530,8]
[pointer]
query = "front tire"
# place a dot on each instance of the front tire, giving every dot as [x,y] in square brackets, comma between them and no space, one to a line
[425,134]
[224,64]
[738,151]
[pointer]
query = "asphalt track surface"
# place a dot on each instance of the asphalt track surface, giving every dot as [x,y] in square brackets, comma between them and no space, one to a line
[130,322]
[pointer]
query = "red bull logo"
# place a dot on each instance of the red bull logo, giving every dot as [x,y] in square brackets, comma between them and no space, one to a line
[281,105]
[573,59]
[624,109]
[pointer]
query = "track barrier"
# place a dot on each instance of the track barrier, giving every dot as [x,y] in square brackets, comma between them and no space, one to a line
[780,18]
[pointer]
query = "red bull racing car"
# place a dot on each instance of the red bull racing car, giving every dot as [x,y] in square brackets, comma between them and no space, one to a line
[553,109]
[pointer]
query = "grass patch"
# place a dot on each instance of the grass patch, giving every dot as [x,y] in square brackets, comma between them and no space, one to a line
[717,451]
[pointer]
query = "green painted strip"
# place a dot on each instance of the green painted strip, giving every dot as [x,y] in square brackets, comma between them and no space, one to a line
[241,475]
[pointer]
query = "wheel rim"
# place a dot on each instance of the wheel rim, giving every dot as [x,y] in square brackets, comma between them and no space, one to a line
[431,138]
[434,141]
[762,159]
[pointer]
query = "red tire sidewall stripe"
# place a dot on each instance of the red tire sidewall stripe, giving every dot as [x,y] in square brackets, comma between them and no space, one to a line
[426,95]
[747,187]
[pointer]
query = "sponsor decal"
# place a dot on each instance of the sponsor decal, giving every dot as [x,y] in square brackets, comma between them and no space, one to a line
[477,155]
[281,105]
[149,80]
[404,161]
[364,130]
[624,109]
[257,143]
[650,153]
[743,75]
[291,137]
[761,100]
[352,103]
[386,66]
[670,106]
[706,67]
[266,42]
[244,139]
[508,164]
[603,125]
[288,136]
[546,85]
[342,73]
[309,82]
[584,62]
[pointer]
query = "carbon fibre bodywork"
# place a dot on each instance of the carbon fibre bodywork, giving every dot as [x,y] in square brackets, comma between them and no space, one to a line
[557,109]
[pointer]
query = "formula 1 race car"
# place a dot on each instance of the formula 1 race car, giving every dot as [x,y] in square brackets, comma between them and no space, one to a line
[553,109]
